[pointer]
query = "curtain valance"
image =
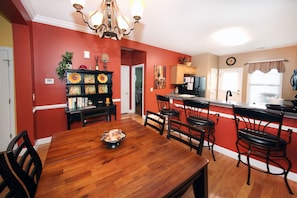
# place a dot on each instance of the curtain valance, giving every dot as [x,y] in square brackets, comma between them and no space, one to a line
[266,66]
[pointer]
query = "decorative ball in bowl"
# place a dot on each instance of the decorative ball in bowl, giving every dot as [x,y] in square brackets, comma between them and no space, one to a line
[113,138]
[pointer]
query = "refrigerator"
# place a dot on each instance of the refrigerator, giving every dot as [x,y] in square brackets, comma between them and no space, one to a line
[193,85]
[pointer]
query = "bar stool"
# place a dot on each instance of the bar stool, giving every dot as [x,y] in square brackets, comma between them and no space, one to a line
[165,109]
[197,114]
[260,135]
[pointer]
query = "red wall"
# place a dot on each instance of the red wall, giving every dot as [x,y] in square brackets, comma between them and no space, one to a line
[23,79]
[48,44]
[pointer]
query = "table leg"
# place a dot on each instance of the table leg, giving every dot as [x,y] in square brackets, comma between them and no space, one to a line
[200,185]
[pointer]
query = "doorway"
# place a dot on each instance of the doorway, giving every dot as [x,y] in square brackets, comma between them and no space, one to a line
[230,79]
[7,101]
[137,89]
[125,89]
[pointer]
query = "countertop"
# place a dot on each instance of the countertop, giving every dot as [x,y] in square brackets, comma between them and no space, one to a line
[227,104]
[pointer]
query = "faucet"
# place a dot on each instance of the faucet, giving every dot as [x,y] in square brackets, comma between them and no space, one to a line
[228,93]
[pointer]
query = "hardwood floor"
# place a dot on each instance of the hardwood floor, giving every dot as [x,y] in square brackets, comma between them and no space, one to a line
[225,180]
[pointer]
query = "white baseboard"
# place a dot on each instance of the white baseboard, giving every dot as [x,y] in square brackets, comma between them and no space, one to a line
[256,163]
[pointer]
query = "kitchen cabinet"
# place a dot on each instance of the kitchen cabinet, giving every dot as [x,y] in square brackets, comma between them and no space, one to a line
[178,72]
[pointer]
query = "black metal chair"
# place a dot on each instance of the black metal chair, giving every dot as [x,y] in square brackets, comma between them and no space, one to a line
[197,114]
[187,134]
[155,120]
[89,116]
[10,184]
[25,161]
[165,108]
[260,135]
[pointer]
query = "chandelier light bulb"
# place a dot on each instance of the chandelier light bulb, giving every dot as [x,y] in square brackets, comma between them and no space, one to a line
[123,23]
[96,18]
[137,9]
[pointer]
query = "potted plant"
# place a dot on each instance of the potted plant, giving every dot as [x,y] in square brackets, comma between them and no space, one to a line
[66,63]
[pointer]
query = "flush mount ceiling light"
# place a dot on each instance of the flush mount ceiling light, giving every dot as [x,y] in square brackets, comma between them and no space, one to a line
[107,20]
[231,36]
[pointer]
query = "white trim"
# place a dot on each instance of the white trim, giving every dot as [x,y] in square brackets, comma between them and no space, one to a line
[63,24]
[42,141]
[59,106]
[256,163]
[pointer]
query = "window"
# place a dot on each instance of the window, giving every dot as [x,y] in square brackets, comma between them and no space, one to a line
[264,88]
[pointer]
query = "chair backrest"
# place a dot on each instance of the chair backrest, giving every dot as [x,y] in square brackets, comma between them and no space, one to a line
[196,109]
[155,120]
[25,161]
[89,116]
[163,102]
[255,124]
[10,184]
[177,127]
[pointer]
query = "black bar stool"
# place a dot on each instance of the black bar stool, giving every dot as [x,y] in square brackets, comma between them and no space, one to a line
[197,114]
[260,135]
[165,108]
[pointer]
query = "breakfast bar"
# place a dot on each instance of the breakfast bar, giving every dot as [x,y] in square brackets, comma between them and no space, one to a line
[225,131]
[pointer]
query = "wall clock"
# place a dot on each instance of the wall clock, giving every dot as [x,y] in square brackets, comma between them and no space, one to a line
[230,61]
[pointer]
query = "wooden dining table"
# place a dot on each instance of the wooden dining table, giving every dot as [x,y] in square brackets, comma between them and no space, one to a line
[145,164]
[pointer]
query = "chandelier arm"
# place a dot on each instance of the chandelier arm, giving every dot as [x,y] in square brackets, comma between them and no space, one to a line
[85,20]
[131,29]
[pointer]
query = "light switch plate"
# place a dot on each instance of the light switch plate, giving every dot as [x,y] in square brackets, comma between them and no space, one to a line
[86,54]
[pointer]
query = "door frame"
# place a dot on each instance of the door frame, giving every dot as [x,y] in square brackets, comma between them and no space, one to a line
[133,80]
[125,85]
[12,123]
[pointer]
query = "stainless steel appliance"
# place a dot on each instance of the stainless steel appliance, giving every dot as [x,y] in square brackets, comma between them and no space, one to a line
[193,85]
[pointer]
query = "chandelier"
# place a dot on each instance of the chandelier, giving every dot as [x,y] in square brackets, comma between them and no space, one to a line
[107,20]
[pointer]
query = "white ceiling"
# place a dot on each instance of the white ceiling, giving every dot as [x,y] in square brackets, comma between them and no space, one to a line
[188,26]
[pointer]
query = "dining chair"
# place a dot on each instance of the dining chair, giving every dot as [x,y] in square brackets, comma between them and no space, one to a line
[155,120]
[165,108]
[260,135]
[25,161]
[89,116]
[187,134]
[10,184]
[197,114]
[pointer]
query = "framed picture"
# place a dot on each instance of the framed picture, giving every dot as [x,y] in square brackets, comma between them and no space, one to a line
[74,90]
[90,89]
[89,78]
[102,89]
[159,77]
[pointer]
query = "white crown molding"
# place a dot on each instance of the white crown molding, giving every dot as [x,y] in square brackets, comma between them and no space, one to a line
[62,24]
[29,8]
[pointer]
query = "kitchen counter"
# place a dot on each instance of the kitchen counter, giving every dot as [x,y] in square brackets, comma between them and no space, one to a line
[227,104]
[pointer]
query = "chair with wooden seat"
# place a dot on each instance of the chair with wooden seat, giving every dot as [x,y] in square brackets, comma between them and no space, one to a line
[165,108]
[197,114]
[89,116]
[260,136]
[25,161]
[187,134]
[155,120]
[10,185]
